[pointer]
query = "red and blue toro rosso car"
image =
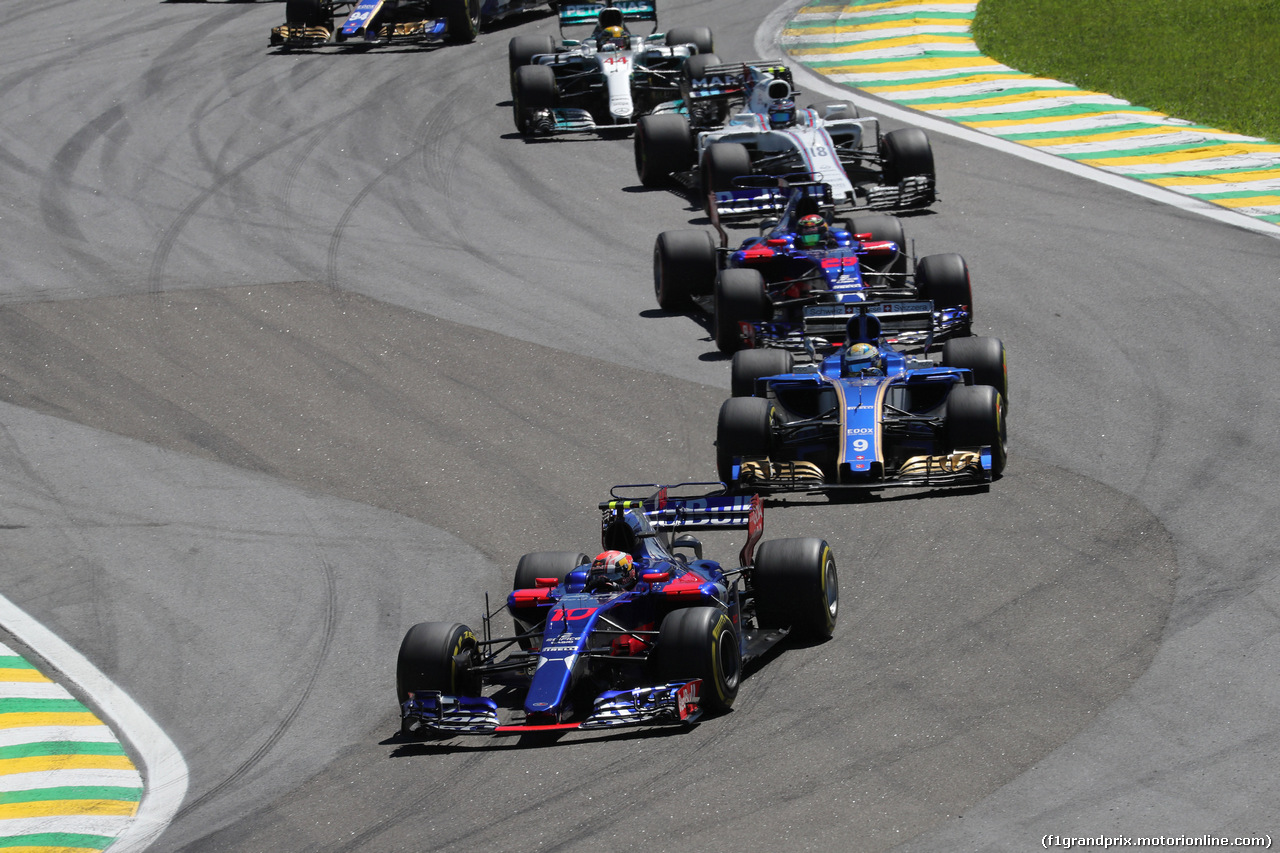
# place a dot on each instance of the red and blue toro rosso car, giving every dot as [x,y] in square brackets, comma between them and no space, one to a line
[764,292]
[648,634]
[867,416]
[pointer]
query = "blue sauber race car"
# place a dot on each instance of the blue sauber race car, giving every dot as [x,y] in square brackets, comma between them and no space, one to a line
[648,634]
[802,270]
[314,23]
[866,416]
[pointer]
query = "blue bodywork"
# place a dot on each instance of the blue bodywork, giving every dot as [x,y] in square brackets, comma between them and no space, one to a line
[579,640]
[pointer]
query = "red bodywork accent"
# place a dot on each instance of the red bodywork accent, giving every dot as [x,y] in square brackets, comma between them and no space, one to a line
[551,727]
[662,498]
[685,586]
[656,577]
[757,253]
[755,529]
[551,583]
[878,246]
[530,597]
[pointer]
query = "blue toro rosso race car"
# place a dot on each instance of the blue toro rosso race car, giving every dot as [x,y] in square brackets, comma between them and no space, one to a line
[804,270]
[314,23]
[648,634]
[867,416]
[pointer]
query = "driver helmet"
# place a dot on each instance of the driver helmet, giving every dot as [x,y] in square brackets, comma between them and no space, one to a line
[782,113]
[859,357]
[813,228]
[611,38]
[614,569]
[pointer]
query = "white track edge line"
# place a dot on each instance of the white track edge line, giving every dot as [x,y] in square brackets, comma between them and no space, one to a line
[166,770]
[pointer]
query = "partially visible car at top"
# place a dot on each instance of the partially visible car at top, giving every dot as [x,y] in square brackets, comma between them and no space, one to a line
[604,80]
[785,287]
[866,416]
[650,633]
[314,23]
[766,134]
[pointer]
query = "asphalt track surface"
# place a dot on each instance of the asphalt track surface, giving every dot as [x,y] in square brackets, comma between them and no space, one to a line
[298,350]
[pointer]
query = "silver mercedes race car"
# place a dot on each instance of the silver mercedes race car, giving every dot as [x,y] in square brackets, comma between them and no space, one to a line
[605,80]
[767,138]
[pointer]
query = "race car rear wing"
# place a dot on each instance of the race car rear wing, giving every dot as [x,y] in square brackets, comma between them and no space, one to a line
[896,318]
[711,510]
[588,14]
[731,79]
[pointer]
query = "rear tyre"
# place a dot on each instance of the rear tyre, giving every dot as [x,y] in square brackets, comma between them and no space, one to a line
[722,162]
[745,428]
[522,49]
[699,37]
[309,13]
[975,419]
[944,279]
[547,564]
[986,358]
[795,584]
[739,297]
[533,90]
[544,564]
[437,656]
[905,154]
[663,145]
[700,642]
[882,271]
[695,67]
[464,20]
[752,364]
[684,266]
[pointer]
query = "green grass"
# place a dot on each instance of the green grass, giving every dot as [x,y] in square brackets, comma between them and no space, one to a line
[1214,62]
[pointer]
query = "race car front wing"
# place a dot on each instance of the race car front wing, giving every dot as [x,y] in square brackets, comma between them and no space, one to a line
[676,703]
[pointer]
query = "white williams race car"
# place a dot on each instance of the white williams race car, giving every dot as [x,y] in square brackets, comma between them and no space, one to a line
[767,138]
[605,80]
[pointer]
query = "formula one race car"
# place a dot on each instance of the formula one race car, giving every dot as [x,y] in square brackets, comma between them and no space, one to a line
[313,23]
[649,633]
[605,80]
[804,272]
[768,135]
[867,416]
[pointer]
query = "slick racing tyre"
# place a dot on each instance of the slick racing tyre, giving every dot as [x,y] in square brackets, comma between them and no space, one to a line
[744,428]
[684,266]
[795,585]
[463,18]
[699,37]
[547,564]
[975,419]
[986,358]
[437,656]
[533,90]
[752,364]
[522,49]
[722,163]
[543,564]
[695,67]
[906,153]
[663,146]
[309,13]
[740,297]
[944,280]
[882,271]
[700,642]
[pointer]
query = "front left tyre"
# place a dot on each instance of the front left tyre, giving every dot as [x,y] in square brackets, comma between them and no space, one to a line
[533,90]
[437,656]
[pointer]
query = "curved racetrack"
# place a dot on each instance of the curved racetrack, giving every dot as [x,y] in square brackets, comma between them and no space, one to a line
[298,350]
